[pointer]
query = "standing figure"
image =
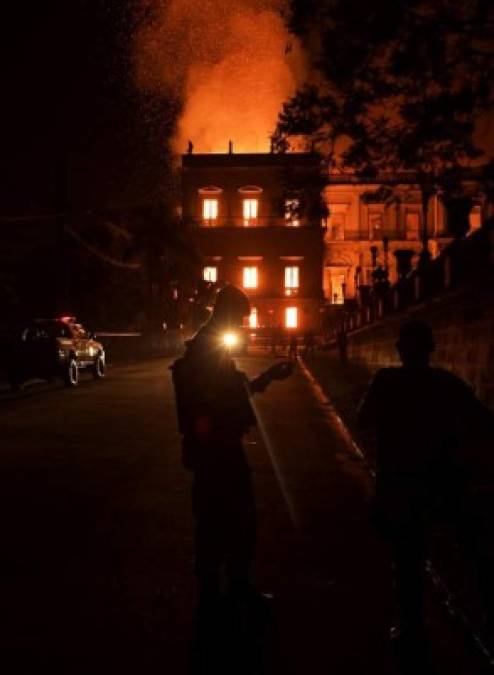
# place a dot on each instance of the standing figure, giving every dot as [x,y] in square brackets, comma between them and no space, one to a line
[309,343]
[293,347]
[214,413]
[274,339]
[420,416]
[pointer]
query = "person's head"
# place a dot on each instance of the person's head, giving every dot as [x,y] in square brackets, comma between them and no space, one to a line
[415,343]
[230,307]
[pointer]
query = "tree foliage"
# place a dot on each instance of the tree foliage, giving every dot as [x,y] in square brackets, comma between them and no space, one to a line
[395,86]
[134,268]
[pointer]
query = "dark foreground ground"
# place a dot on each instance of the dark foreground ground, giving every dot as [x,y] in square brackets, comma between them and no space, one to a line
[96,560]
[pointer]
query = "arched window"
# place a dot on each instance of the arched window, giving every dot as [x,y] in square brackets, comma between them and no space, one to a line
[250,190]
[210,204]
[250,203]
[210,190]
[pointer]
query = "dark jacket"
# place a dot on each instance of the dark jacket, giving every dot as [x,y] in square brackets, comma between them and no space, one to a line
[213,405]
[422,418]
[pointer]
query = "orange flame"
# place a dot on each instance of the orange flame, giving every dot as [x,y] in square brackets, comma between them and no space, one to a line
[231,62]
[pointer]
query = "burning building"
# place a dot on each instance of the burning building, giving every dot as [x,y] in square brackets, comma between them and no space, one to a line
[378,224]
[263,222]
[230,65]
[258,225]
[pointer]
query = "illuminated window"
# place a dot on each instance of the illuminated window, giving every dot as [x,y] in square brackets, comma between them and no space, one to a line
[210,210]
[250,210]
[253,318]
[210,274]
[376,225]
[291,317]
[475,218]
[338,289]
[337,226]
[412,224]
[291,280]
[250,277]
[292,212]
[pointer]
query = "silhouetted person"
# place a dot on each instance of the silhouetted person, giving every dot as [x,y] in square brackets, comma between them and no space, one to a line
[274,339]
[420,415]
[214,413]
[293,347]
[342,342]
[309,343]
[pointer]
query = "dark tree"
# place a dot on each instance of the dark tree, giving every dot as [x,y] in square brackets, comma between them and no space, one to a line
[87,179]
[395,87]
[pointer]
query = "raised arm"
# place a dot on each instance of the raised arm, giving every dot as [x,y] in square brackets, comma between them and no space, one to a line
[279,371]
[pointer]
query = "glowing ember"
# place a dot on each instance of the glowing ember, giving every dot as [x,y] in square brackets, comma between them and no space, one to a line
[231,62]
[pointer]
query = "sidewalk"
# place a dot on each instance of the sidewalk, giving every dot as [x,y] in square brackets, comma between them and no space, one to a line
[463,572]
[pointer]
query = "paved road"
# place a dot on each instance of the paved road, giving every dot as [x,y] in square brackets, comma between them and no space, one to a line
[96,551]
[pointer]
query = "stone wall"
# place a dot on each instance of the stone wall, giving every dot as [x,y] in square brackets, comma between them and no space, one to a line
[463,324]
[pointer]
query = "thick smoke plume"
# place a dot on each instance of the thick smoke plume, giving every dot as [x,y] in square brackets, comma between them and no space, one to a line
[231,63]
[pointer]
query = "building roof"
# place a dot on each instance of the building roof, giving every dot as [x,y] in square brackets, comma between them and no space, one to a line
[210,160]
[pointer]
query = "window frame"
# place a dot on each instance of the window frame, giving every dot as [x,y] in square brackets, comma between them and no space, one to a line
[246,281]
[253,319]
[247,216]
[211,202]
[291,324]
[215,274]
[292,215]
[338,280]
[292,277]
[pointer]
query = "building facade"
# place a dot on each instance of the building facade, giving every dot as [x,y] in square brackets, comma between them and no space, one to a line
[255,227]
[378,223]
[258,225]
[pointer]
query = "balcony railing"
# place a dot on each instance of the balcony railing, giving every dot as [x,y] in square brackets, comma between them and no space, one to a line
[457,265]
[263,221]
[391,235]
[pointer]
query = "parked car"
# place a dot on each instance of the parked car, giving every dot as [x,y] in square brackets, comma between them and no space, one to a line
[53,348]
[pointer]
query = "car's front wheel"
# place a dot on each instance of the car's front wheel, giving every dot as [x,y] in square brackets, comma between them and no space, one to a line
[71,375]
[99,368]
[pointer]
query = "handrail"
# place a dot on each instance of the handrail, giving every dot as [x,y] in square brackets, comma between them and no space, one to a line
[463,261]
[262,221]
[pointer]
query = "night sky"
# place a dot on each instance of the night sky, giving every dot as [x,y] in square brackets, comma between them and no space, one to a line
[69,101]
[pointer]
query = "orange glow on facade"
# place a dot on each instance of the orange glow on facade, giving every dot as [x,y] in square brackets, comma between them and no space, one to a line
[291,280]
[338,285]
[210,274]
[291,216]
[276,264]
[250,211]
[291,317]
[250,277]
[210,210]
[253,318]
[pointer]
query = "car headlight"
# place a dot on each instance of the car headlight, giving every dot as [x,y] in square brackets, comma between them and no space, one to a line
[230,340]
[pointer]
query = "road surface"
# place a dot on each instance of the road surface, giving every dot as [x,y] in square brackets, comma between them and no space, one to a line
[96,553]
